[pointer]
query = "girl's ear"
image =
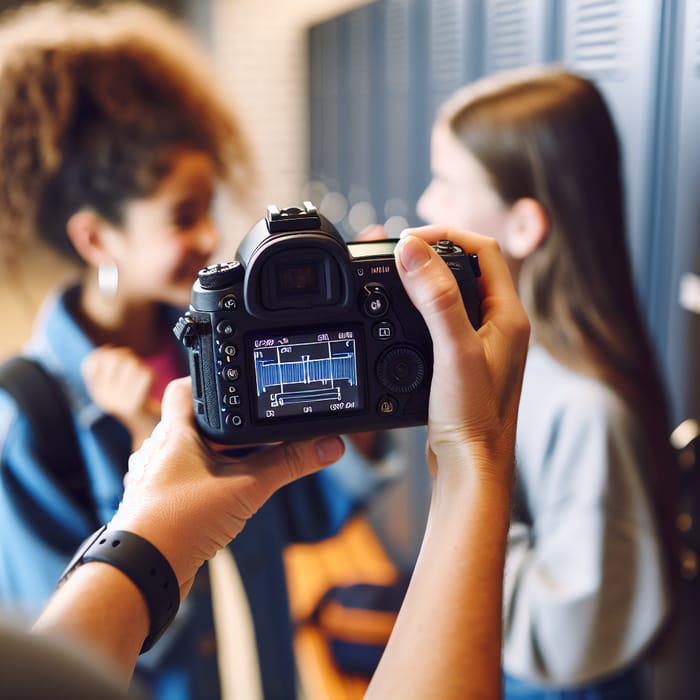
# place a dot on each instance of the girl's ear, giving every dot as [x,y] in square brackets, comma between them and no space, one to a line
[526,228]
[86,232]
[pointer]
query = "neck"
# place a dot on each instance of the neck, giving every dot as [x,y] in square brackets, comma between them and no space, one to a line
[117,321]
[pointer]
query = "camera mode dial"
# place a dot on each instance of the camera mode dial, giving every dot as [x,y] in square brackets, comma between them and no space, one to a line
[221,275]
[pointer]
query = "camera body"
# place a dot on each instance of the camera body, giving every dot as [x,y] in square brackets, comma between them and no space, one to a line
[304,334]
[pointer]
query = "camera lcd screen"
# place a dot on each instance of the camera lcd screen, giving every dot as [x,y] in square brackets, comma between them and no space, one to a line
[306,374]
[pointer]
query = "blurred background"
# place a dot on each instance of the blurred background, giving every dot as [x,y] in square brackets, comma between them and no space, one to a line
[338,97]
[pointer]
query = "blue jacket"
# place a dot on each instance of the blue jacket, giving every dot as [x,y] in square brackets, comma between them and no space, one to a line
[36,518]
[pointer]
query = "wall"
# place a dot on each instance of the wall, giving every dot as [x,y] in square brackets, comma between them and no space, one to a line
[260,48]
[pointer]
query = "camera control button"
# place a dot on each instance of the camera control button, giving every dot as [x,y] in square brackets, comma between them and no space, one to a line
[229,302]
[375,302]
[231,373]
[446,247]
[401,370]
[387,406]
[232,399]
[384,330]
[234,420]
[225,328]
[229,349]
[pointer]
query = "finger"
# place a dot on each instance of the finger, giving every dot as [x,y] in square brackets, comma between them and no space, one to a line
[177,402]
[496,280]
[289,461]
[433,289]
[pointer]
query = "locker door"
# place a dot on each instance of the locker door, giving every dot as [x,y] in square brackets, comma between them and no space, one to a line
[405,76]
[617,43]
[519,33]
[456,50]
[677,235]
[324,97]
[679,226]
[358,129]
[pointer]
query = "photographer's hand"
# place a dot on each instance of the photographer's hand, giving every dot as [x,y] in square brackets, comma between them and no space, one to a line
[451,616]
[477,375]
[186,500]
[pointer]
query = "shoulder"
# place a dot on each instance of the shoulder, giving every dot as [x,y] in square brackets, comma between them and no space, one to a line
[575,434]
[558,394]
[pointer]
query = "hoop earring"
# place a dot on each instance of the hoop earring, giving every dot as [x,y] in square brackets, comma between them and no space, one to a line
[108,279]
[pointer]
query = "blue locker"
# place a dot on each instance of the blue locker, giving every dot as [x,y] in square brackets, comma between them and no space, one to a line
[456,47]
[405,76]
[360,113]
[618,44]
[677,228]
[324,103]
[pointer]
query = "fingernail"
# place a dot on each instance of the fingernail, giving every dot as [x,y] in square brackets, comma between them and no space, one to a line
[329,449]
[412,253]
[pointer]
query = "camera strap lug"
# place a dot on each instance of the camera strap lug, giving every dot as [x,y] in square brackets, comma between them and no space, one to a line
[187,329]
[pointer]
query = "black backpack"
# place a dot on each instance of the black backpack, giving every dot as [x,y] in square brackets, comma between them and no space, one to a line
[41,398]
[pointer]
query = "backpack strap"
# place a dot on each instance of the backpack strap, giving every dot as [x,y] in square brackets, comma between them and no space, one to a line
[42,400]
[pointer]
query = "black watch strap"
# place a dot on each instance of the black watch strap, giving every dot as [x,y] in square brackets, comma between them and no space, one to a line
[144,565]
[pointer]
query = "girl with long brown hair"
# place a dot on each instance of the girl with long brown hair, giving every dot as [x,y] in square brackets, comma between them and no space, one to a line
[532,159]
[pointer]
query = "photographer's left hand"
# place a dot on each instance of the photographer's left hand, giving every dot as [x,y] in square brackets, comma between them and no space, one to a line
[189,501]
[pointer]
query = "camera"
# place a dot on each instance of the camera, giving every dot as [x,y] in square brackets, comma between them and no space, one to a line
[305,334]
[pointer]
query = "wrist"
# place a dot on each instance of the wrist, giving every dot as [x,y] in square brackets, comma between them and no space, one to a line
[143,564]
[476,481]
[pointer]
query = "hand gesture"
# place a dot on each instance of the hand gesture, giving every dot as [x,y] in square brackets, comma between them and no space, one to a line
[119,382]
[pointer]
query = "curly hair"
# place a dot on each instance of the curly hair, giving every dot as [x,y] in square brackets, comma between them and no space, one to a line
[94,104]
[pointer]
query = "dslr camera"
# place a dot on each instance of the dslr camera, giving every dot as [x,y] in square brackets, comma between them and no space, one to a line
[305,334]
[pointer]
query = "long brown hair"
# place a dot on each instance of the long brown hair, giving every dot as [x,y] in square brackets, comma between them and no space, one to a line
[548,135]
[94,103]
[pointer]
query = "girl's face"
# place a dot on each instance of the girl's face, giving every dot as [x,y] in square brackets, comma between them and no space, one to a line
[168,237]
[460,194]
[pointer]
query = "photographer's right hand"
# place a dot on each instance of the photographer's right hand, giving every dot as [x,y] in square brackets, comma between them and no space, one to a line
[477,375]
[451,614]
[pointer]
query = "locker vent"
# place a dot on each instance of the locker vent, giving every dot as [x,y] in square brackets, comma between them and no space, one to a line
[506,30]
[599,37]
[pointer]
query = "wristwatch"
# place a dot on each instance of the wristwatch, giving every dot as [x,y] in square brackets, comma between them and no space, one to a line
[143,564]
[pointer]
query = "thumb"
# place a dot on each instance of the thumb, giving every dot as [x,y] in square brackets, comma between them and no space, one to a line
[432,288]
[177,402]
[279,465]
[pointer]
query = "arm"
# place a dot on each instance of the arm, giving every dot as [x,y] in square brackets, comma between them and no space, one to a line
[186,500]
[447,639]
